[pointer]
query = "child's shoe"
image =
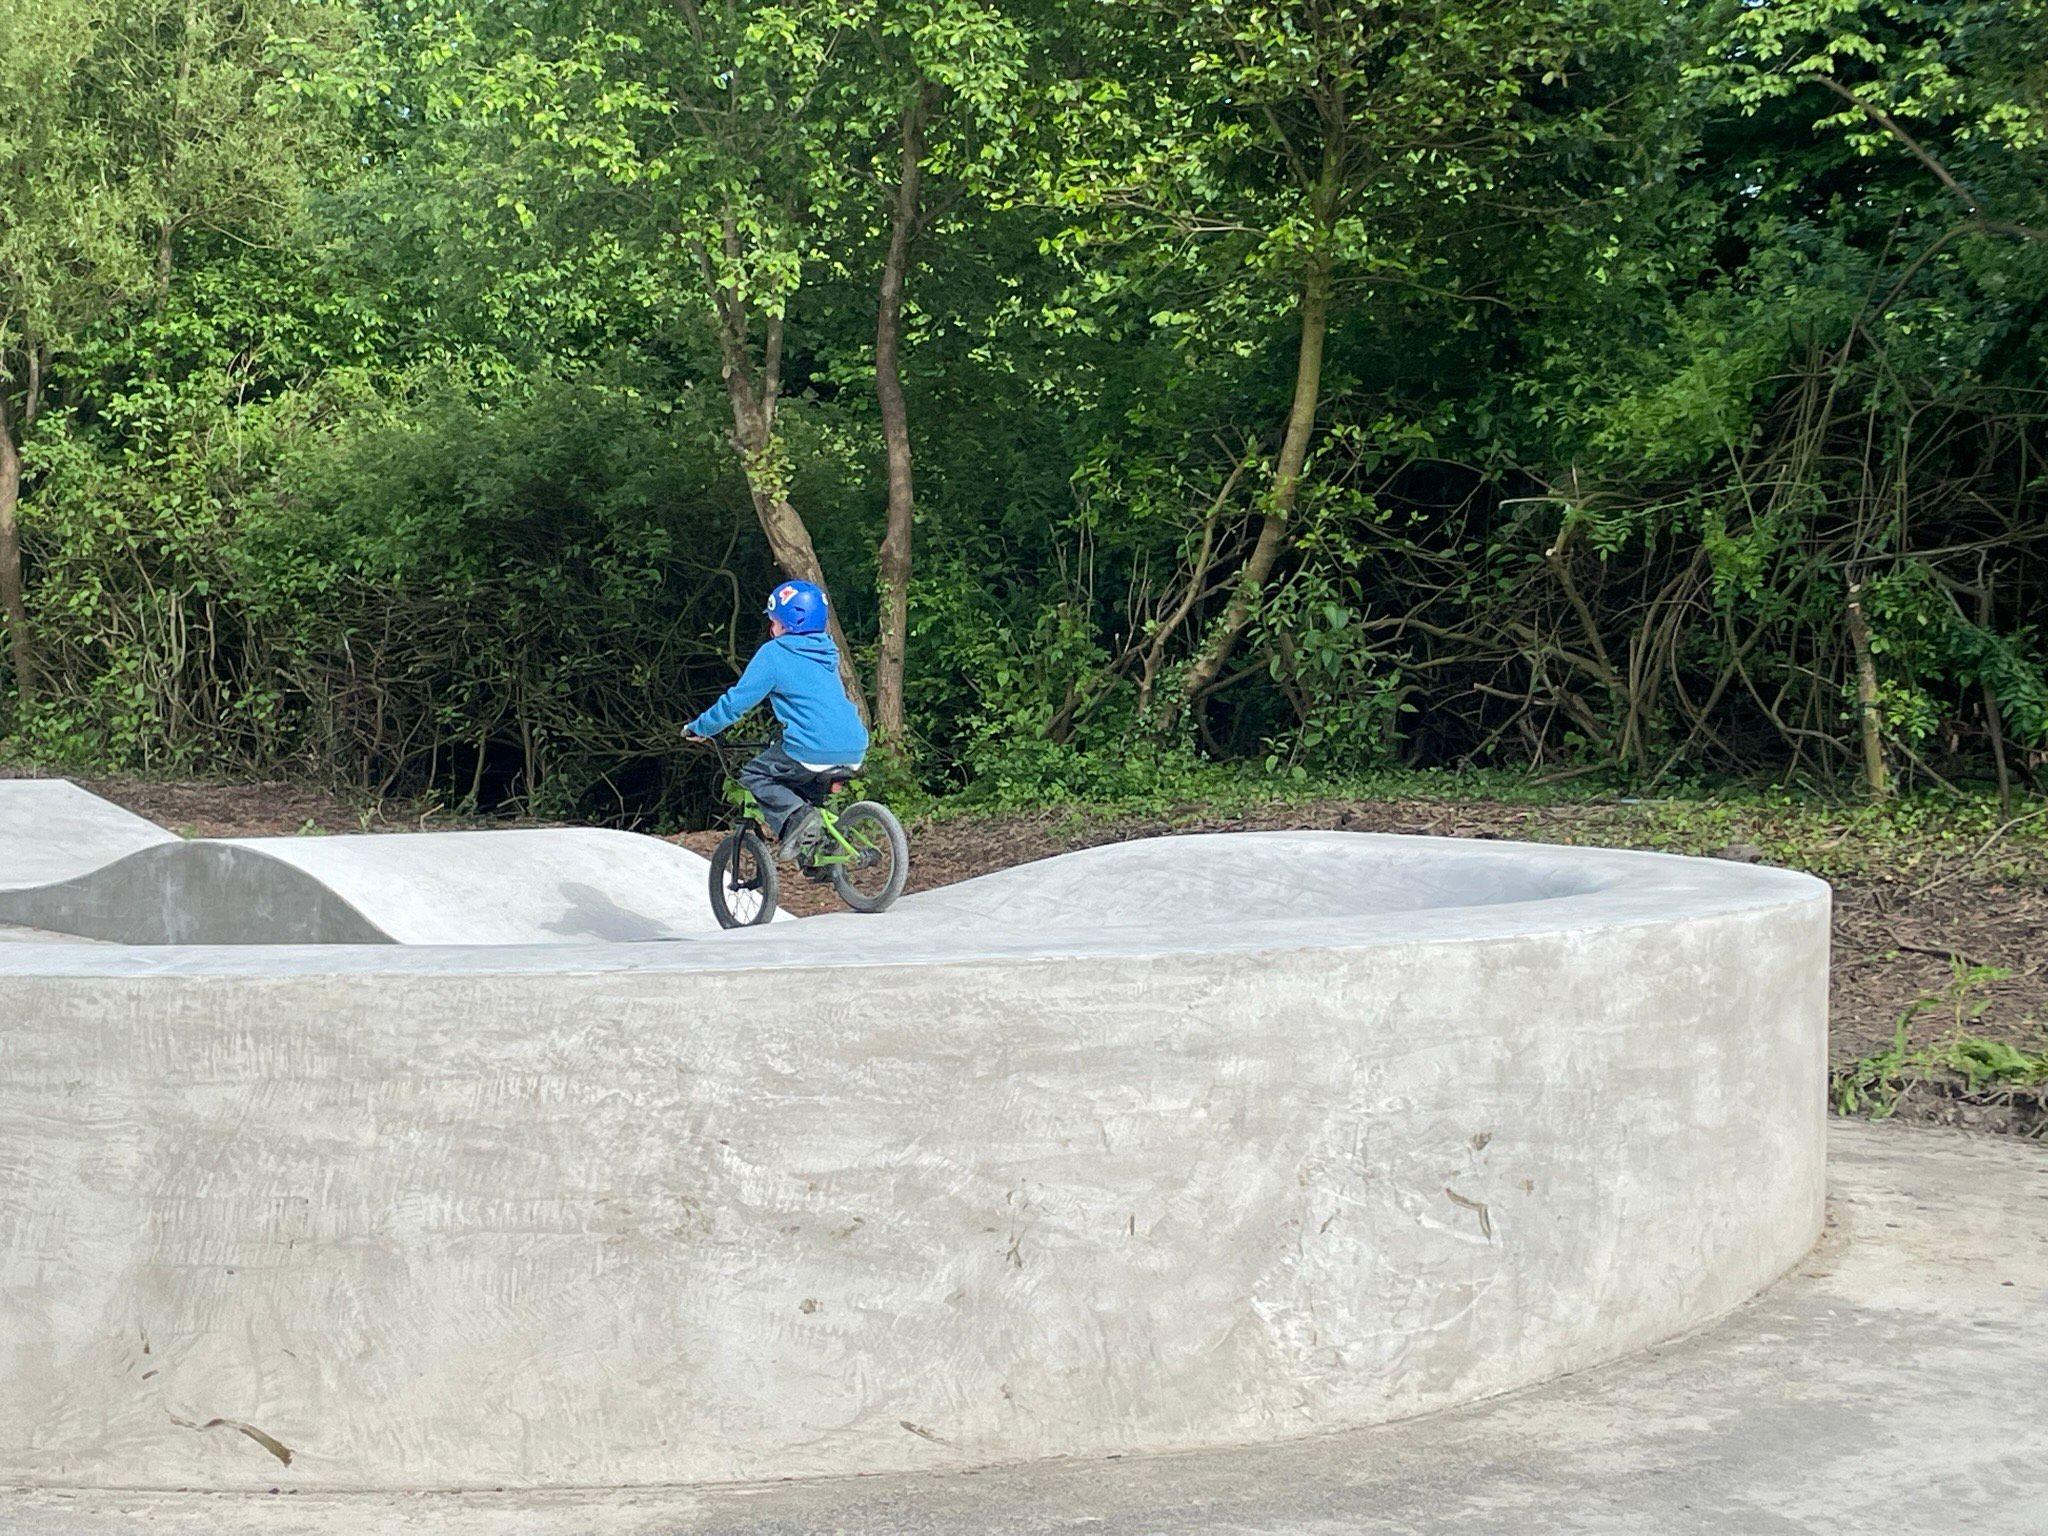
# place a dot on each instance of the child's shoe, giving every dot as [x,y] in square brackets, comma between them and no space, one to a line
[798,834]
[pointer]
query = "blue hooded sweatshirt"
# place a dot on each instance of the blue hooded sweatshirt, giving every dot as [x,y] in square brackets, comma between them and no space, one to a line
[799,677]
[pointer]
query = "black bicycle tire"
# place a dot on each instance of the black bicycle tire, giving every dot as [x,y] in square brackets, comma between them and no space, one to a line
[899,853]
[771,879]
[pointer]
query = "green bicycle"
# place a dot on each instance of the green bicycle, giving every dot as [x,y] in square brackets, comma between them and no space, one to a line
[860,849]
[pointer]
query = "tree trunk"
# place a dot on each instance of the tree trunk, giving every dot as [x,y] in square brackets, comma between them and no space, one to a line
[1197,584]
[1994,719]
[13,606]
[892,559]
[1275,530]
[1874,777]
[789,540]
[753,399]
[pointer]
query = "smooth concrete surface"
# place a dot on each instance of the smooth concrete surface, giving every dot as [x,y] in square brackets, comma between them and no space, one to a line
[52,830]
[539,886]
[1893,1384]
[1188,1142]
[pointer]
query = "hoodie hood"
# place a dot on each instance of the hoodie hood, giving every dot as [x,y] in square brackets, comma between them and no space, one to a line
[818,647]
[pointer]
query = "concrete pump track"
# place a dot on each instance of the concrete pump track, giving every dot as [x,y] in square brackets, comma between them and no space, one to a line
[482,1160]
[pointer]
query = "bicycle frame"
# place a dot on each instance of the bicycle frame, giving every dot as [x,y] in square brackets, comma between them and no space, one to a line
[846,854]
[828,823]
[750,810]
[834,851]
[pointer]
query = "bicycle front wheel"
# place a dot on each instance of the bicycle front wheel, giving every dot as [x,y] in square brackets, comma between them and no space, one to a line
[744,881]
[873,878]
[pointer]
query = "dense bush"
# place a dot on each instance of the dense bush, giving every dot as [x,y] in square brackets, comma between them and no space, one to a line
[416,594]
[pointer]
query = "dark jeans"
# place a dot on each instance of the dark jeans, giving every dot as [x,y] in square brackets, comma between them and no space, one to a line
[785,786]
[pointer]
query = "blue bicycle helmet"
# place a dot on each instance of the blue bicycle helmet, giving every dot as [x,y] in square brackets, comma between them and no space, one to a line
[799,607]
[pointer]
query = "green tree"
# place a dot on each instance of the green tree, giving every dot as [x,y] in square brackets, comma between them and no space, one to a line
[1291,157]
[671,159]
[125,125]
[947,87]
[1628,385]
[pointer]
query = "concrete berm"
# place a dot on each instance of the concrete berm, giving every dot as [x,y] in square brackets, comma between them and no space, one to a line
[1192,1141]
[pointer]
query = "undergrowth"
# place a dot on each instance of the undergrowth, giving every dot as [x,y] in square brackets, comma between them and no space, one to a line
[1874,1084]
[1800,828]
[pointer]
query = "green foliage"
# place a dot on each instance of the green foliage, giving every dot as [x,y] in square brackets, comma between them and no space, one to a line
[395,359]
[1874,1084]
[527,594]
[513,602]
[123,123]
[1921,632]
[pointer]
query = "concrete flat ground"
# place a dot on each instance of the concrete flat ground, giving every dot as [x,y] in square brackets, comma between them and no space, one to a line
[1896,1382]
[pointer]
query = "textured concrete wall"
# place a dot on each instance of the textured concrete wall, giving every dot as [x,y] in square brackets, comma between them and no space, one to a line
[840,1197]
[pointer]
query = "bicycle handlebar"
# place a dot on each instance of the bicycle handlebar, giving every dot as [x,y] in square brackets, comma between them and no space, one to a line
[727,752]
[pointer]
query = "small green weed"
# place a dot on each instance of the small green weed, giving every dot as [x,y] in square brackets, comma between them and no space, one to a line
[1875,1083]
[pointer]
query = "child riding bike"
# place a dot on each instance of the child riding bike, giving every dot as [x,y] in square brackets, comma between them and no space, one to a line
[797,672]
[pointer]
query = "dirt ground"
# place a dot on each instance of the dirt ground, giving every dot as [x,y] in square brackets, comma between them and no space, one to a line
[1899,931]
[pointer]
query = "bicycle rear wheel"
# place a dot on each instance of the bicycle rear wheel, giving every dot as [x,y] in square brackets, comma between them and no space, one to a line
[874,878]
[744,881]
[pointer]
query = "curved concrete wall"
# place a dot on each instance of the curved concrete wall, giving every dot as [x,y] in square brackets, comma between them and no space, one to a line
[1194,1141]
[192,893]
